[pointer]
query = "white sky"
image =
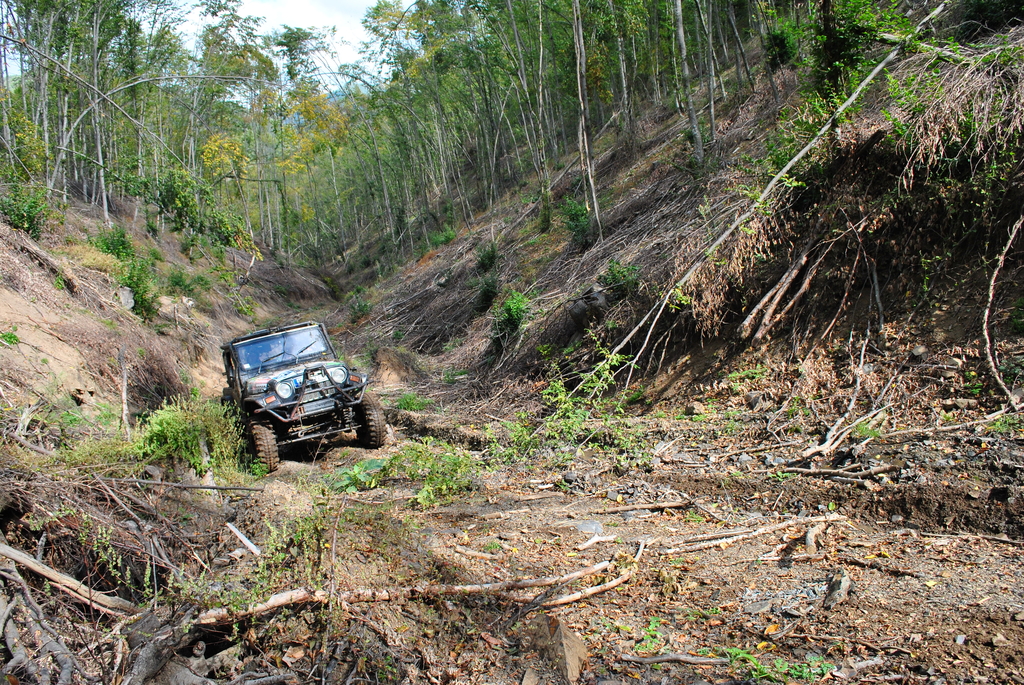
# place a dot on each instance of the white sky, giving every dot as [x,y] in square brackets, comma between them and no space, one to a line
[344,15]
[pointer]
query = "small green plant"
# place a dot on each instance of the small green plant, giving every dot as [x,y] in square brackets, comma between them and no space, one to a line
[487,256]
[509,319]
[116,242]
[622,280]
[245,305]
[1008,424]
[492,546]
[10,337]
[181,283]
[577,219]
[135,273]
[441,237]
[410,401]
[451,376]
[863,431]
[360,308]
[756,373]
[486,291]
[363,475]
[443,469]
[653,640]
[25,209]
[780,670]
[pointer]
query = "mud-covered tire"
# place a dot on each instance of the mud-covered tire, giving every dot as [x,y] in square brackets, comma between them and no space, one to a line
[372,429]
[264,446]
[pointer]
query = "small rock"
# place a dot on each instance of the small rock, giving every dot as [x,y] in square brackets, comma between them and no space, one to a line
[947,373]
[965,403]
[589,527]
[754,400]
[744,458]
[531,677]
[611,682]
[695,409]
[154,472]
[999,640]
[759,607]
[127,297]
[868,368]
[570,477]
[1019,616]
[919,351]
[896,518]
[960,639]
[839,586]
[562,647]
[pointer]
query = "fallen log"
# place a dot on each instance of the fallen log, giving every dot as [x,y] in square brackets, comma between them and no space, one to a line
[725,542]
[653,505]
[359,595]
[80,591]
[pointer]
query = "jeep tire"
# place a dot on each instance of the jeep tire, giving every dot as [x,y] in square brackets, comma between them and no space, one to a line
[264,446]
[372,429]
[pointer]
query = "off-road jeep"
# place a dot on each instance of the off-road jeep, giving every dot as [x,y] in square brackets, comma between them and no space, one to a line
[290,387]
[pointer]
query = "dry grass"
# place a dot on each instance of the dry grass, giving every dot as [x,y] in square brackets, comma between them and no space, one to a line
[88,256]
[973,107]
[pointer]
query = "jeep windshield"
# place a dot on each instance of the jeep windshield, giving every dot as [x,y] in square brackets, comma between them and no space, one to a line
[280,349]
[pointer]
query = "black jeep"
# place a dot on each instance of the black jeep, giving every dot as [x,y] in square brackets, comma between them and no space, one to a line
[290,387]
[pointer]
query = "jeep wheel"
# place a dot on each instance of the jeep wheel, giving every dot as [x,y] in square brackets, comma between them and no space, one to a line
[372,429]
[264,446]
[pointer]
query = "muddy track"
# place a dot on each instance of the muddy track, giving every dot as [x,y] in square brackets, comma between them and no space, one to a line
[958,507]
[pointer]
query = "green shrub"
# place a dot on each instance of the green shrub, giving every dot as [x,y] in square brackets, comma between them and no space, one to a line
[624,280]
[487,256]
[360,308]
[116,242]
[245,305]
[179,428]
[842,39]
[25,209]
[443,469]
[10,337]
[181,283]
[780,44]
[486,291]
[364,475]
[509,319]
[137,275]
[410,401]
[577,220]
[442,237]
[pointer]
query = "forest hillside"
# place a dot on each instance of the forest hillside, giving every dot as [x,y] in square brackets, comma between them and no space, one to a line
[697,331]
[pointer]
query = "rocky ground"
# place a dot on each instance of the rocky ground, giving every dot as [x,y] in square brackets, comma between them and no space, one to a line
[717,556]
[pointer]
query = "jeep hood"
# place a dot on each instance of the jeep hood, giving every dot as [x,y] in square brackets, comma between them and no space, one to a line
[259,384]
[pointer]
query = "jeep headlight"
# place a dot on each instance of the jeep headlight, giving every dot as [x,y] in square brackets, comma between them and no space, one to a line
[338,374]
[284,390]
